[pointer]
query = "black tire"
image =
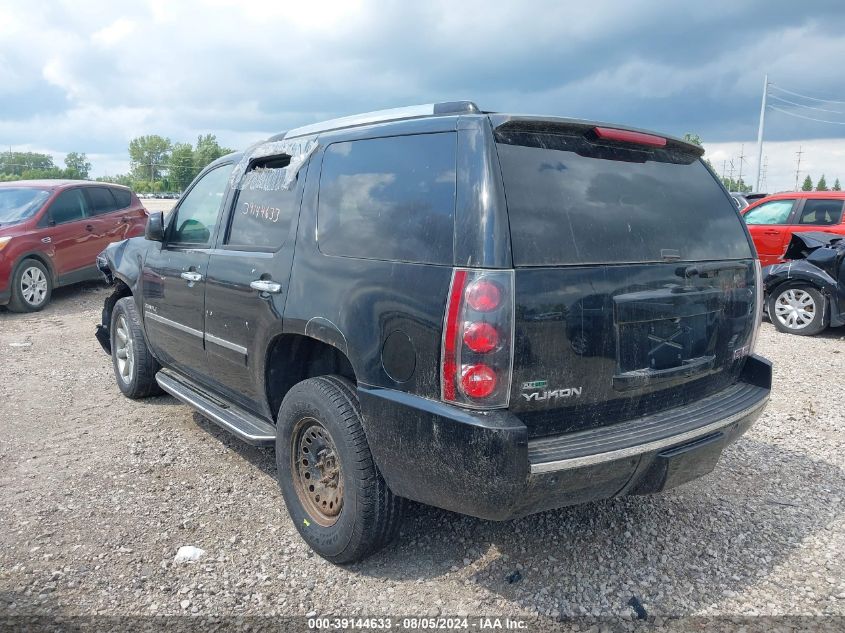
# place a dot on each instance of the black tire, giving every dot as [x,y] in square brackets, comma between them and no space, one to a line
[817,303]
[39,287]
[138,380]
[370,515]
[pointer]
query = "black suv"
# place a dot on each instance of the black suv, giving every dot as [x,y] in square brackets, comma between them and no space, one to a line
[492,314]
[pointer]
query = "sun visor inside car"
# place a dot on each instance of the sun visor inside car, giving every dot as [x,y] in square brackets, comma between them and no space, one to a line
[298,150]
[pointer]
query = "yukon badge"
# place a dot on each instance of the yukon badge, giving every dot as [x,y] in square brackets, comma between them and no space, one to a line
[540,393]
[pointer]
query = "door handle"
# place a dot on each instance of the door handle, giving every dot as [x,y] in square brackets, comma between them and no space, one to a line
[191,276]
[265,285]
[89,227]
[770,232]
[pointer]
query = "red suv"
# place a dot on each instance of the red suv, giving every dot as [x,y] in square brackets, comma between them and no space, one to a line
[51,232]
[773,220]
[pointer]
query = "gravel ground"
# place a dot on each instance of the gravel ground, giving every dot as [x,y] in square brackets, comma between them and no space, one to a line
[97,494]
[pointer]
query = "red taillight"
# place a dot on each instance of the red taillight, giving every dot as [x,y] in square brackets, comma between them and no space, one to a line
[477,344]
[627,136]
[478,381]
[450,335]
[481,337]
[483,295]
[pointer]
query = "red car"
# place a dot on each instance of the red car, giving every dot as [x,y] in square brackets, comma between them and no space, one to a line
[51,232]
[772,220]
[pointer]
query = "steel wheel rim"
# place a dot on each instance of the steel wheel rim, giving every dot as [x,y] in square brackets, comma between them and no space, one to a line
[795,309]
[317,473]
[124,350]
[34,286]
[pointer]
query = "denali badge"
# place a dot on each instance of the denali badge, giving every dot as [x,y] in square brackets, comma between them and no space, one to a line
[554,394]
[535,384]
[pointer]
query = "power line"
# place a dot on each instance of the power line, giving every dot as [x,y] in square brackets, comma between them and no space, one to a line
[798,94]
[802,105]
[808,118]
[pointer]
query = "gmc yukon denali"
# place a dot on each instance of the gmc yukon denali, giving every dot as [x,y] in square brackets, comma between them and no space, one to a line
[492,314]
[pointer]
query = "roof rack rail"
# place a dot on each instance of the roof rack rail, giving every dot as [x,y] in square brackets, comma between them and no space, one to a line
[382,116]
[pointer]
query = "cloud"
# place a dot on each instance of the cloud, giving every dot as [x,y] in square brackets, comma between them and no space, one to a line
[87,76]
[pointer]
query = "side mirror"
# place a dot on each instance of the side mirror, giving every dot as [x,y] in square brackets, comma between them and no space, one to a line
[155,227]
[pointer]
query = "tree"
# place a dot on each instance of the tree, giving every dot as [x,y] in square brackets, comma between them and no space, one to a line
[808,184]
[149,156]
[118,179]
[821,185]
[836,185]
[182,169]
[17,163]
[736,185]
[207,151]
[695,139]
[77,166]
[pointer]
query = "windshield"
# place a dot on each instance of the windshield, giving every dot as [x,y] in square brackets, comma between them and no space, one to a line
[572,203]
[19,204]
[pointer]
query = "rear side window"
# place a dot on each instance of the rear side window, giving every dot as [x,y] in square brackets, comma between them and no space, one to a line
[69,206]
[102,200]
[122,197]
[572,203]
[263,209]
[821,212]
[389,198]
[772,212]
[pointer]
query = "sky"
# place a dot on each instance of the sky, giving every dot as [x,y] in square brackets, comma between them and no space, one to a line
[88,76]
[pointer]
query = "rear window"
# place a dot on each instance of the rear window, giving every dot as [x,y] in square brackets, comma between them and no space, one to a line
[821,212]
[102,200]
[389,198]
[570,202]
[123,197]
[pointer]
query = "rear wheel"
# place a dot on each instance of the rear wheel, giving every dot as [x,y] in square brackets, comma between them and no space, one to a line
[798,309]
[134,365]
[334,493]
[31,287]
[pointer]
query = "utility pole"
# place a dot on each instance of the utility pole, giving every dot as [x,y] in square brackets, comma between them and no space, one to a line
[724,165]
[765,172]
[798,168]
[760,130]
[741,159]
[731,173]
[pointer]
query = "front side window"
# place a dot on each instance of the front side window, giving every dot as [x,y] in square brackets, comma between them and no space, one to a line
[197,215]
[774,212]
[389,198]
[69,206]
[264,208]
[821,212]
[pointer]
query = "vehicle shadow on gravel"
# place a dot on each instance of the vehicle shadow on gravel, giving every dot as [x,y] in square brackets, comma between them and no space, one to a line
[61,299]
[677,552]
[262,458]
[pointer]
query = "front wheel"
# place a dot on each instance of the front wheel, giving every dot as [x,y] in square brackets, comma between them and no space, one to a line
[798,309]
[336,497]
[134,366]
[31,287]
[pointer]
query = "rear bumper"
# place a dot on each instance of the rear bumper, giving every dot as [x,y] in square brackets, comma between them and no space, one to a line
[484,465]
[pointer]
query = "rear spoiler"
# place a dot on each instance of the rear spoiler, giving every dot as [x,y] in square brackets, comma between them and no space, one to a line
[593,130]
